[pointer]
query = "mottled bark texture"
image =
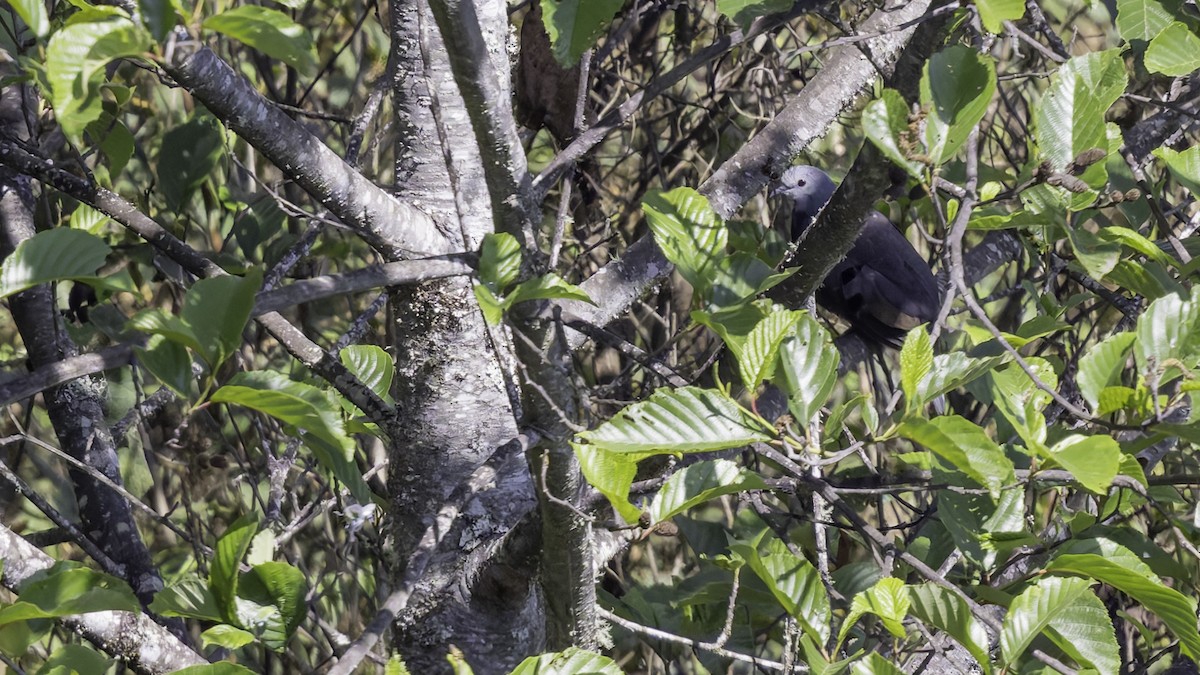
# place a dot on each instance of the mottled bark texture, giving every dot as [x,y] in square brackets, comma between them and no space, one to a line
[451,381]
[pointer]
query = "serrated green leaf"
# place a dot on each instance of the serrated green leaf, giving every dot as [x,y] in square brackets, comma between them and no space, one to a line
[885,122]
[574,25]
[1184,166]
[874,664]
[224,635]
[189,598]
[759,353]
[52,255]
[189,155]
[793,581]
[489,304]
[993,13]
[1032,611]
[689,233]
[1070,117]
[944,610]
[548,286]
[688,419]
[1092,460]
[303,409]
[612,474]
[1175,610]
[965,446]
[808,360]
[279,586]
[66,589]
[1168,335]
[270,31]
[33,13]
[75,59]
[957,86]
[159,17]
[224,573]
[916,362]
[168,361]
[373,366]
[1102,365]
[216,310]
[499,261]
[700,482]
[571,660]
[1021,401]
[740,277]
[887,599]
[1085,632]
[953,370]
[1142,19]
[75,660]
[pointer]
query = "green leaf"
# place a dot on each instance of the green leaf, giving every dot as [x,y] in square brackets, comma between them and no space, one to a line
[75,59]
[224,635]
[612,474]
[372,366]
[545,287]
[224,573]
[874,664]
[1176,610]
[1085,632]
[885,122]
[52,255]
[499,261]
[280,585]
[993,13]
[953,370]
[189,598]
[66,589]
[1093,460]
[303,408]
[700,482]
[74,660]
[965,446]
[793,581]
[115,142]
[188,157]
[216,310]
[271,32]
[916,362]
[1184,166]
[1032,611]
[688,419]
[738,278]
[1168,335]
[168,361]
[33,13]
[689,233]
[1070,117]
[159,17]
[571,660]
[759,353]
[809,362]
[574,25]
[957,84]
[1021,401]
[1102,365]
[887,599]
[946,611]
[1141,19]
[489,304]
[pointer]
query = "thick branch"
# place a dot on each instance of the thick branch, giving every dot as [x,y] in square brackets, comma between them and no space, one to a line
[134,638]
[396,229]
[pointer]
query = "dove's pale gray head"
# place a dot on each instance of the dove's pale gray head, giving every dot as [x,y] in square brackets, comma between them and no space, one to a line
[809,188]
